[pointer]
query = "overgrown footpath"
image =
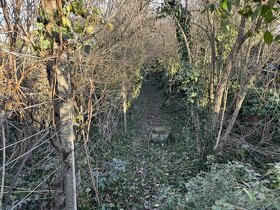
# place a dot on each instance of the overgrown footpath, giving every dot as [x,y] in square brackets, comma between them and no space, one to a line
[140,174]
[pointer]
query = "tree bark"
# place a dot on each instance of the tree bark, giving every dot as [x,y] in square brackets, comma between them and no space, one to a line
[59,79]
[240,98]
[213,58]
[124,95]
[186,41]
[241,38]
[64,117]
[4,158]
[222,122]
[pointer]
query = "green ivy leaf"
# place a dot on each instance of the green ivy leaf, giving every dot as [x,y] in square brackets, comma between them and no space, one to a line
[257,12]
[224,5]
[265,9]
[79,29]
[77,7]
[212,8]
[266,12]
[251,195]
[276,205]
[277,38]
[68,8]
[268,38]
[246,11]
[40,26]
[90,30]
[46,44]
[225,25]
[66,22]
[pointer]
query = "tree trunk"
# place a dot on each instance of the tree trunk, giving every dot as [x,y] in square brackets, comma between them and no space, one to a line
[240,98]
[213,60]
[59,79]
[183,33]
[241,38]
[244,90]
[222,121]
[4,158]
[124,95]
[64,116]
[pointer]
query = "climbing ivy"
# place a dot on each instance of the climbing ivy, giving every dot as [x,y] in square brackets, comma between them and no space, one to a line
[182,17]
[74,21]
[252,10]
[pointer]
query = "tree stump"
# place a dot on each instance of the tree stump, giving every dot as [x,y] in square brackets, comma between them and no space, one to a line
[160,134]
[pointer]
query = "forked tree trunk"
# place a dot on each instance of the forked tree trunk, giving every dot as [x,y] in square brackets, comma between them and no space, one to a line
[241,38]
[243,92]
[222,122]
[239,101]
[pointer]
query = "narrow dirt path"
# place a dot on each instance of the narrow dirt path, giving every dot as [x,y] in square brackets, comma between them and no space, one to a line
[148,107]
[154,171]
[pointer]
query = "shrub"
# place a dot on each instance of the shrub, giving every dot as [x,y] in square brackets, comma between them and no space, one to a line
[228,187]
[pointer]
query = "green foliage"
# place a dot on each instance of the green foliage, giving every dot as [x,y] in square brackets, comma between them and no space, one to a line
[260,108]
[68,21]
[45,44]
[274,174]
[182,18]
[231,185]
[172,67]
[228,186]
[111,173]
[110,176]
[188,80]
[251,10]
[261,102]
[268,37]
[191,83]
[136,86]
[171,199]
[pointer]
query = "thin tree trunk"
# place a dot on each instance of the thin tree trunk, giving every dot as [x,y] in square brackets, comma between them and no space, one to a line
[59,78]
[222,121]
[86,133]
[124,94]
[213,59]
[4,160]
[241,38]
[186,41]
[66,132]
[243,92]
[240,98]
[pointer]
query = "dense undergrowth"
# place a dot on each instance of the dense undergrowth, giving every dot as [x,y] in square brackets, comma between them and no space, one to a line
[149,169]
[139,174]
[71,73]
